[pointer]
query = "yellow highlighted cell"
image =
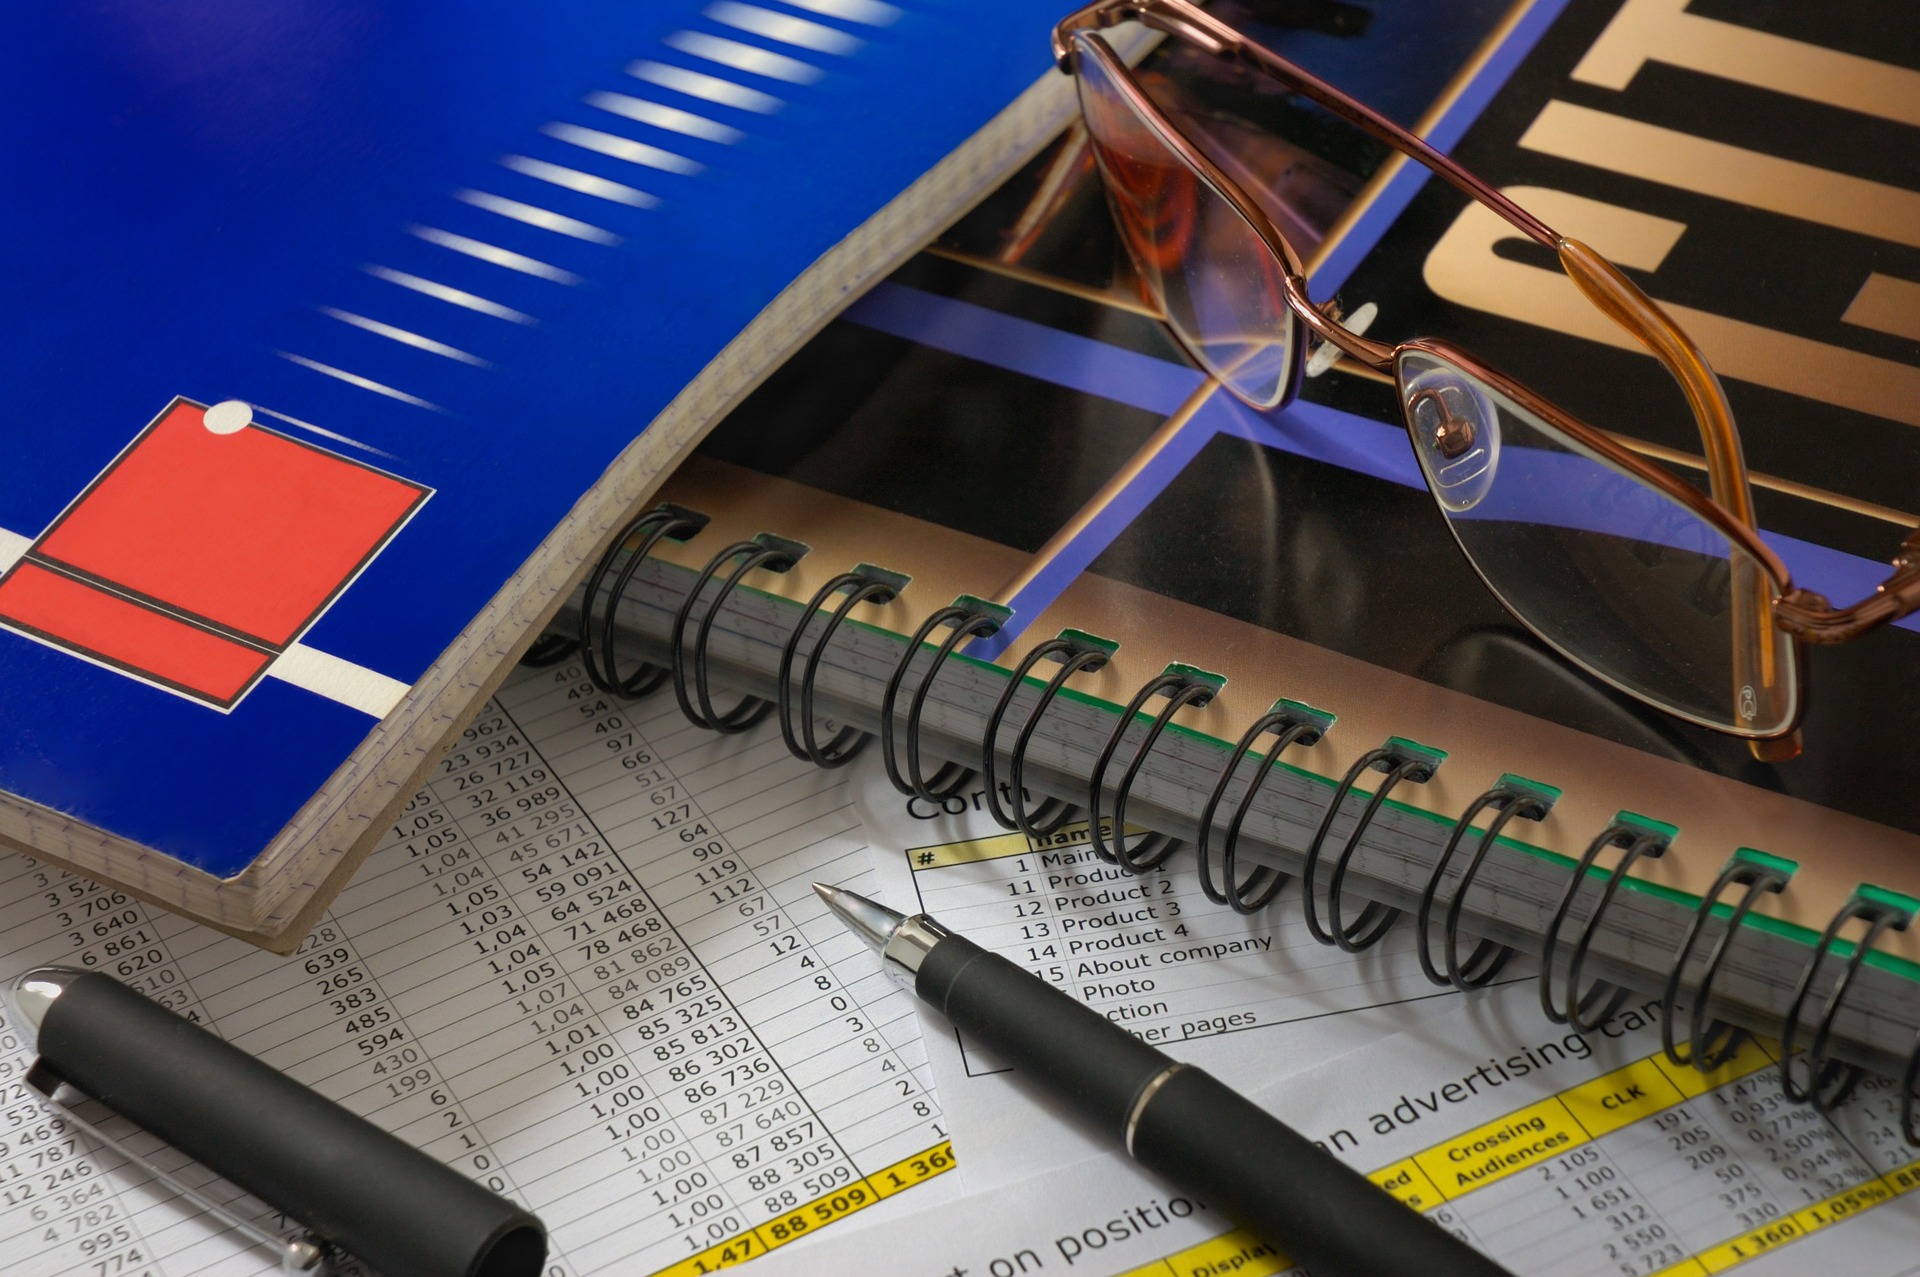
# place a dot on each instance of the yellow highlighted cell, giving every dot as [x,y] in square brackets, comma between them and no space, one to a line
[1621,1098]
[817,1214]
[1837,1209]
[1761,1241]
[1844,1206]
[1522,1139]
[1000,846]
[908,1171]
[1903,1179]
[945,855]
[1239,1253]
[1407,1182]
[1749,1057]
[737,1250]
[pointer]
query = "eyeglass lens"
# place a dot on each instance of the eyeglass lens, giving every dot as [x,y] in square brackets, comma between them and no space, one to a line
[1213,277]
[1621,577]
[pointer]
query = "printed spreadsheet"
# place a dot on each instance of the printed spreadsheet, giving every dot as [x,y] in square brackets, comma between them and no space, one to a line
[585,967]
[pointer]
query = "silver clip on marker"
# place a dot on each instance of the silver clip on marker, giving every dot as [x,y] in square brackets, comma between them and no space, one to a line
[302,1253]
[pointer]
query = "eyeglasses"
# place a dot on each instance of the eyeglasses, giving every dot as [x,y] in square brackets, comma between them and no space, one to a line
[1663,591]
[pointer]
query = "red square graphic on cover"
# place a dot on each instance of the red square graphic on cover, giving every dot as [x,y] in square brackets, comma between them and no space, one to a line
[204,551]
[245,528]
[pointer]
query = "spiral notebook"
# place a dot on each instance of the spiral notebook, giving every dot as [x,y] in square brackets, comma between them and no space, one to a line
[1004,424]
[1669,830]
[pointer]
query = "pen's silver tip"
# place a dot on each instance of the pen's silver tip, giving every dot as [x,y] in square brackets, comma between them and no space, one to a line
[872,921]
[31,996]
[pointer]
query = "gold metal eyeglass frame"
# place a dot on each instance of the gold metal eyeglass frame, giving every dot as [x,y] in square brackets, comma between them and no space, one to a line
[1759,605]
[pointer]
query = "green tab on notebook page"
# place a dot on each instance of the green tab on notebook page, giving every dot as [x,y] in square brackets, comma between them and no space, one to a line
[1901,906]
[1531,799]
[793,550]
[1082,641]
[1194,674]
[1645,827]
[1319,721]
[1427,759]
[1546,795]
[1764,860]
[894,581]
[998,613]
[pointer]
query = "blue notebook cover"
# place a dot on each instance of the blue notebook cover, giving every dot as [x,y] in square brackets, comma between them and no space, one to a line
[323,317]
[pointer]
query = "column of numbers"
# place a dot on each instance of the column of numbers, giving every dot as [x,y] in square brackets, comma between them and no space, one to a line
[410,969]
[1792,1147]
[53,1193]
[1568,1213]
[607,950]
[747,1120]
[583,993]
[1688,1157]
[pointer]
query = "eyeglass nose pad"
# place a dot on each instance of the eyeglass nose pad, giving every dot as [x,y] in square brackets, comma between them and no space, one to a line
[1325,354]
[1456,430]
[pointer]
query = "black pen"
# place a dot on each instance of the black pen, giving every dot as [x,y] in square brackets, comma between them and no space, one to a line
[353,1185]
[1173,1118]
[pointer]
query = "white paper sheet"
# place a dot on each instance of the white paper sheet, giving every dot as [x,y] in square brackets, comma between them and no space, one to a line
[1560,1155]
[586,968]
[1250,998]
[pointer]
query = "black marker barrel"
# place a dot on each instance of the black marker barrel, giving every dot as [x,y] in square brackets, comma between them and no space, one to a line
[1065,1046]
[1236,1156]
[1188,1126]
[360,1188]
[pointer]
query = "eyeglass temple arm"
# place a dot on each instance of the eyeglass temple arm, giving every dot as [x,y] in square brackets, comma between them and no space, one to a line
[1603,283]
[1182,20]
[1618,297]
[1801,612]
[1615,294]
[1621,300]
[1756,654]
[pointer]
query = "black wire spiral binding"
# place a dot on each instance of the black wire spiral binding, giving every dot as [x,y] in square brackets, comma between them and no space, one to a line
[864,584]
[596,635]
[1830,1081]
[970,618]
[1076,652]
[1709,1045]
[1400,760]
[1511,798]
[1710,1042]
[1639,837]
[776,554]
[1182,685]
[1292,723]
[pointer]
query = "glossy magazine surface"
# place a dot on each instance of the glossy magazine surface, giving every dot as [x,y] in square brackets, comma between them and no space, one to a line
[1000,381]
